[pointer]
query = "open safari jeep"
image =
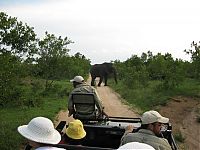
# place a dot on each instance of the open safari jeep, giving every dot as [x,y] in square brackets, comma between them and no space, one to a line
[103,133]
[106,134]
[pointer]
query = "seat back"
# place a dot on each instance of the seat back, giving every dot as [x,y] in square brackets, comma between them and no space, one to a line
[84,106]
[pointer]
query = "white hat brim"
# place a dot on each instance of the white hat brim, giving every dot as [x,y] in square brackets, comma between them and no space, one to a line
[54,139]
[136,145]
[72,80]
[163,120]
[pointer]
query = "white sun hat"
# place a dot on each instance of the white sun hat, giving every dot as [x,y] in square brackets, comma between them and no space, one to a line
[153,116]
[78,79]
[41,130]
[136,145]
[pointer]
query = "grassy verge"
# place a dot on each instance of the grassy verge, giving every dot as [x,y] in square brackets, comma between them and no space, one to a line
[152,95]
[11,117]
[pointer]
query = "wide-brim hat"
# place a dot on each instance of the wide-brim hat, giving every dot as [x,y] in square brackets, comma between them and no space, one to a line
[75,130]
[136,145]
[153,116]
[78,79]
[40,130]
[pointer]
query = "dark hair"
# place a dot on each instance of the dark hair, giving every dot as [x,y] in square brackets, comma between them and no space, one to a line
[71,141]
[76,83]
[144,126]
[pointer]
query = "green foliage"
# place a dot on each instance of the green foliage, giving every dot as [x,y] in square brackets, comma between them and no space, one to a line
[19,49]
[138,71]
[51,46]
[148,81]
[9,77]
[179,137]
[49,106]
[144,98]
[16,37]
[132,72]
[189,87]
[195,57]
[166,69]
[55,63]
[17,42]
[51,51]
[152,95]
[11,118]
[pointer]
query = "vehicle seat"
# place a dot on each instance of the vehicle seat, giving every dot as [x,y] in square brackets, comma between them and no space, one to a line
[84,106]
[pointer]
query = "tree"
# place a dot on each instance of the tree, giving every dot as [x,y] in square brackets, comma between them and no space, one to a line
[17,38]
[166,69]
[195,57]
[51,51]
[17,43]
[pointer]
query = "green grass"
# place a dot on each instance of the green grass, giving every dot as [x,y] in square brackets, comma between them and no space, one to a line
[189,88]
[53,101]
[11,118]
[152,95]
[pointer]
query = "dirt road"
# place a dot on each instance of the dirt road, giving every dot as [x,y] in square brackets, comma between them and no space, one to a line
[113,103]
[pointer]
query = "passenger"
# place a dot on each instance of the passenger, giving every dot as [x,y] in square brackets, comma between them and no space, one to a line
[75,133]
[136,145]
[150,129]
[41,134]
[81,87]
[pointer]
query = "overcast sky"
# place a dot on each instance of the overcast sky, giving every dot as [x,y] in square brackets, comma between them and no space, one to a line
[105,30]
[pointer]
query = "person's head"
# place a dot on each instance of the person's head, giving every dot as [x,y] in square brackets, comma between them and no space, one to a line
[39,131]
[153,121]
[77,80]
[136,145]
[75,132]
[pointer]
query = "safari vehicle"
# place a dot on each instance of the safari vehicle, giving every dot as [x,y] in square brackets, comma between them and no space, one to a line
[106,134]
[103,133]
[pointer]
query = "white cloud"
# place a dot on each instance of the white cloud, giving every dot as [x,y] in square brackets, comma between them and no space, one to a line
[105,30]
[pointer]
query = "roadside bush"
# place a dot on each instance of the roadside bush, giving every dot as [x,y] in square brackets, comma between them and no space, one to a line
[9,78]
[179,137]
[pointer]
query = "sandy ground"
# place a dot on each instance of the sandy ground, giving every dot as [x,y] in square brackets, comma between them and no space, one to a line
[183,113]
[113,103]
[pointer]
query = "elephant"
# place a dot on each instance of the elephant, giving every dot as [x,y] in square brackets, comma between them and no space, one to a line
[102,71]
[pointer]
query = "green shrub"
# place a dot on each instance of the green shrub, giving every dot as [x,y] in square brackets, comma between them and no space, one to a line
[11,118]
[179,137]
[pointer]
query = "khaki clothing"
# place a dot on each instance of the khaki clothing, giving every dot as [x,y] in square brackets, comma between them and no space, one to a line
[148,137]
[84,88]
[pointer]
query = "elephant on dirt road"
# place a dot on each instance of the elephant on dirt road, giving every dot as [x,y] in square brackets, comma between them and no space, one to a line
[102,71]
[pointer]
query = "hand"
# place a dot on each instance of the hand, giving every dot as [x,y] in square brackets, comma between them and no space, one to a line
[129,128]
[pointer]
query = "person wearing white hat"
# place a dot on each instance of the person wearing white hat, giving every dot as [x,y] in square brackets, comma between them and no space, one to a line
[41,134]
[135,145]
[149,132]
[82,88]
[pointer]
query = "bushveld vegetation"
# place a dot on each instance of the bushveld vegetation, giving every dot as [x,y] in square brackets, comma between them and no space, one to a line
[34,76]
[35,73]
[148,81]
